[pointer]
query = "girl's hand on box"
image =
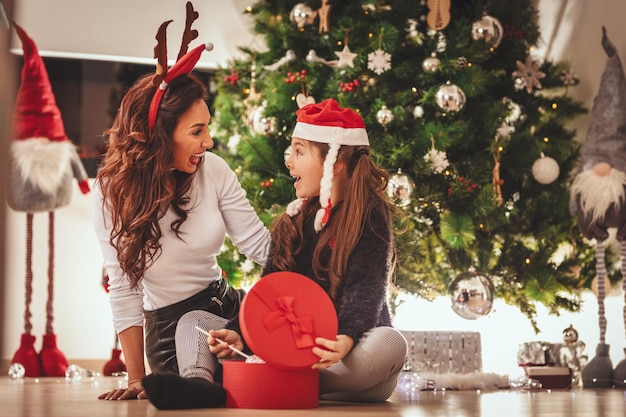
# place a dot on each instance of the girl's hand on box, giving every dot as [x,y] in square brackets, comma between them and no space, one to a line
[333,350]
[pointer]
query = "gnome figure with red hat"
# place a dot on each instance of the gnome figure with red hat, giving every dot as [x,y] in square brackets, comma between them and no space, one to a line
[43,164]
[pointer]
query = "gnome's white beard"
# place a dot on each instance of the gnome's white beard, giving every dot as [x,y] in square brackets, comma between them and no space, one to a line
[597,193]
[42,162]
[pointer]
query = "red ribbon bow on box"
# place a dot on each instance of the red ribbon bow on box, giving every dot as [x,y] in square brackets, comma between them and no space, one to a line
[301,327]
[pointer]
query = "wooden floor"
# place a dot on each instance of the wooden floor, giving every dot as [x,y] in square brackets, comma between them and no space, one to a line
[57,397]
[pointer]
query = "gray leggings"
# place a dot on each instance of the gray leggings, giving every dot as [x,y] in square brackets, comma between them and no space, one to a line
[367,374]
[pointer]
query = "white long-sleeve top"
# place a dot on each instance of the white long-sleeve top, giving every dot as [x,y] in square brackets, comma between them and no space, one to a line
[187,266]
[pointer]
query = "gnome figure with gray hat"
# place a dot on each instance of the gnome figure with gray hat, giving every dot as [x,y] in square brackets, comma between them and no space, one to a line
[44,163]
[598,199]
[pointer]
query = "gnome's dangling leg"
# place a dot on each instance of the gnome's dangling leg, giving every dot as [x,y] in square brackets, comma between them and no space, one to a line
[53,361]
[26,354]
[619,374]
[598,373]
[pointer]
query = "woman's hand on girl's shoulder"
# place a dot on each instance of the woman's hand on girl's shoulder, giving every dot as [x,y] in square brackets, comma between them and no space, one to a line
[332,351]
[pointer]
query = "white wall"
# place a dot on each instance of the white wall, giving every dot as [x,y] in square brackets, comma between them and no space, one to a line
[124,31]
[82,314]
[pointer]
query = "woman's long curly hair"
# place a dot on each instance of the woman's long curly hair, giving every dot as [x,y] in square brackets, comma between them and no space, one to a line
[364,191]
[136,176]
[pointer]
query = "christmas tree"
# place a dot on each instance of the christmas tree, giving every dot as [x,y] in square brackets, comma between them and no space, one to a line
[468,121]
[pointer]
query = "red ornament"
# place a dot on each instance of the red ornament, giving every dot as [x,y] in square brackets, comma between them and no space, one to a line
[512,33]
[349,86]
[233,78]
[295,77]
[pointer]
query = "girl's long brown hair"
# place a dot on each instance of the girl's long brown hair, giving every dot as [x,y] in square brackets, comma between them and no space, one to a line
[137,182]
[364,191]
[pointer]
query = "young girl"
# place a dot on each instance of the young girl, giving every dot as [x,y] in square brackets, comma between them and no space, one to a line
[338,233]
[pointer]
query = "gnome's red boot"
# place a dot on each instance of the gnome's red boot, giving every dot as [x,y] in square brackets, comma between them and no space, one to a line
[115,364]
[27,356]
[53,361]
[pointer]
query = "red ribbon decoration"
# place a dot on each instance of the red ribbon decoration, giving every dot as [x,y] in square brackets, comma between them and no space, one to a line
[327,211]
[301,327]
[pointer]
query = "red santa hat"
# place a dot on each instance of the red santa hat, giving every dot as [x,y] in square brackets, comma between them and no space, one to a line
[326,122]
[36,114]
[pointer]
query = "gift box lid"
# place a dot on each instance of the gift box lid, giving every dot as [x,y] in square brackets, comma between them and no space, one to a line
[281,316]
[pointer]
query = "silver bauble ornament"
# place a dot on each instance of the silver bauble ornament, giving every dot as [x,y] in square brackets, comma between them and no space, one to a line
[488,28]
[431,64]
[400,188]
[17,371]
[384,116]
[450,97]
[471,295]
[302,15]
[545,170]
[260,123]
[418,112]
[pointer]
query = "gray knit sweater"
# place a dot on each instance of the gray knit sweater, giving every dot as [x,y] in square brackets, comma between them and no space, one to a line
[363,304]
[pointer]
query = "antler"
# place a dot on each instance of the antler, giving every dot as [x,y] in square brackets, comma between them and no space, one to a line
[188,34]
[160,53]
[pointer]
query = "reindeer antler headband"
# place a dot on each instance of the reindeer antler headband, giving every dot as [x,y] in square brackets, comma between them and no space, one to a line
[185,62]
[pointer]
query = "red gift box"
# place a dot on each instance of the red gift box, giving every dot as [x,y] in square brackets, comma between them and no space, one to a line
[280,318]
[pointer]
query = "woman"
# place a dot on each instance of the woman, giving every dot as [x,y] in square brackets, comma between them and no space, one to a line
[162,210]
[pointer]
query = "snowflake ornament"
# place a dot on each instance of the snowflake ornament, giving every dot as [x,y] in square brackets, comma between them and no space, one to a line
[528,75]
[438,160]
[569,77]
[379,61]
[504,131]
